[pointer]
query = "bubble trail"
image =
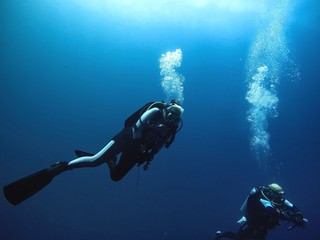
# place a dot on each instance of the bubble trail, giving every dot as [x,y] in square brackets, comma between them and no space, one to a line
[267,59]
[171,81]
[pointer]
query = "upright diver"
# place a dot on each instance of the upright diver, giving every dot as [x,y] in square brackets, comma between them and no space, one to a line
[264,207]
[145,132]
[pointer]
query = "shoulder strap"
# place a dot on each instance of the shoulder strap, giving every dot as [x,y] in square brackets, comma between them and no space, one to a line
[171,137]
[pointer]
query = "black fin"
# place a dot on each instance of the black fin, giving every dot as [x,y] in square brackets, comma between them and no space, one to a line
[24,188]
[82,154]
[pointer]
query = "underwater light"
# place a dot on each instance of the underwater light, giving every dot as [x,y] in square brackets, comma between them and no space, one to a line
[173,10]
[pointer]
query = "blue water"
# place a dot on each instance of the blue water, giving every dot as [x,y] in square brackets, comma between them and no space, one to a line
[72,71]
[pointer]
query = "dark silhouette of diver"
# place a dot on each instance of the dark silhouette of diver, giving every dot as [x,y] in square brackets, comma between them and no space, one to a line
[145,132]
[264,207]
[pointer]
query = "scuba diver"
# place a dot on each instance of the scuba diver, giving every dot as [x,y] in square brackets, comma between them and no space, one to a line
[262,210]
[145,132]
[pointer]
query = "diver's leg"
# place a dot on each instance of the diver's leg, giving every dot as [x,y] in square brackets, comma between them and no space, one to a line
[116,145]
[229,235]
[126,162]
[91,161]
[260,234]
[246,230]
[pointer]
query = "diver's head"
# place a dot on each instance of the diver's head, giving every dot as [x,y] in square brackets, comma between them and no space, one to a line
[276,188]
[275,194]
[172,112]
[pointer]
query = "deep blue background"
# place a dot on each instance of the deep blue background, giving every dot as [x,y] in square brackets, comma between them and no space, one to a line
[69,78]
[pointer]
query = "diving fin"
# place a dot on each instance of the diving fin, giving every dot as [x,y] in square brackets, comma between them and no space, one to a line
[26,187]
[82,154]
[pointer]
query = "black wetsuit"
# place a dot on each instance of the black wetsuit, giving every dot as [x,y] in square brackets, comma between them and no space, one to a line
[137,143]
[262,215]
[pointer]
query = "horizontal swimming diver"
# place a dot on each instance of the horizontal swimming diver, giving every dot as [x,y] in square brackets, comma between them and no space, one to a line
[145,132]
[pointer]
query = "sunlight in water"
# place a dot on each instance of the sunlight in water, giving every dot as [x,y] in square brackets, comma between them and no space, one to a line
[172,82]
[182,12]
[147,7]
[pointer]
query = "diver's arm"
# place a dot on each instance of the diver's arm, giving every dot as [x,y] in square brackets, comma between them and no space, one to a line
[148,116]
[145,120]
[291,207]
[288,204]
[296,218]
[292,213]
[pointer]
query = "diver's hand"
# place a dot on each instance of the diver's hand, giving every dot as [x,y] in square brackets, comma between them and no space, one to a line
[305,220]
[148,156]
[299,220]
